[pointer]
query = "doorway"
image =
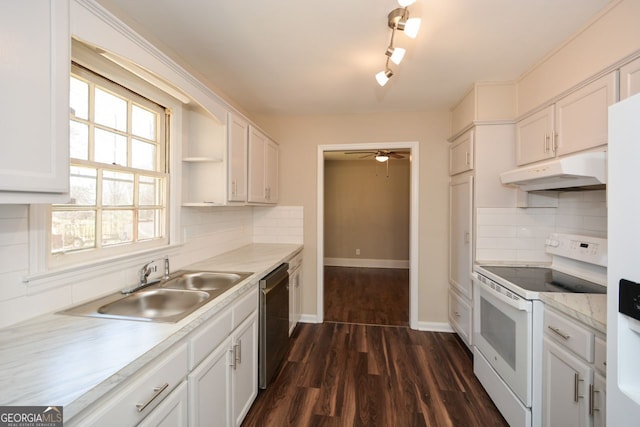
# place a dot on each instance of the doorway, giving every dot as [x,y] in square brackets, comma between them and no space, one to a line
[413,154]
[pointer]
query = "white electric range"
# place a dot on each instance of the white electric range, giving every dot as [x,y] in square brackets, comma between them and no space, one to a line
[508,319]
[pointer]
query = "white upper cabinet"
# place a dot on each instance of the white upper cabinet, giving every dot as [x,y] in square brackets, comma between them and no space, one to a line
[582,116]
[574,123]
[263,168]
[237,158]
[535,135]
[34,113]
[461,154]
[630,79]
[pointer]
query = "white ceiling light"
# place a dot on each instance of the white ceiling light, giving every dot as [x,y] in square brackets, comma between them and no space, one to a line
[383,77]
[396,54]
[398,20]
[382,158]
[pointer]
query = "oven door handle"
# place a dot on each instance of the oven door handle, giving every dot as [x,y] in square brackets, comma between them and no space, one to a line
[520,304]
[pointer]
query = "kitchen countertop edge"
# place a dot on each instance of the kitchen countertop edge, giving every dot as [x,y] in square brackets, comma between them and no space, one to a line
[590,309]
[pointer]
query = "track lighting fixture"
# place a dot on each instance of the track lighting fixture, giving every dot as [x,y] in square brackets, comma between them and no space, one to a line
[398,19]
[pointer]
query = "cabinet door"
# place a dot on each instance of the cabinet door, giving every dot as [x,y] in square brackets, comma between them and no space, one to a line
[460,247]
[245,371]
[461,154]
[257,143]
[271,172]
[460,316]
[534,138]
[582,117]
[630,79]
[565,388]
[598,397]
[237,158]
[210,389]
[172,412]
[34,112]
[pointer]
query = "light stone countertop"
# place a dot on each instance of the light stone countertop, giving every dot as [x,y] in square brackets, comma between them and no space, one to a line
[590,309]
[73,361]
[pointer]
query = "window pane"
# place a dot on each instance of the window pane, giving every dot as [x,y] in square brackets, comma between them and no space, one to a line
[117,189]
[117,227]
[78,140]
[72,230]
[79,98]
[144,155]
[149,191]
[110,148]
[110,110]
[83,186]
[143,123]
[149,224]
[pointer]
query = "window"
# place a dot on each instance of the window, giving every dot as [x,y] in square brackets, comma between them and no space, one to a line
[119,179]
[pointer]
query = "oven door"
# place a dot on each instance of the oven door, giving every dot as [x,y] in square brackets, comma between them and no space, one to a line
[503,331]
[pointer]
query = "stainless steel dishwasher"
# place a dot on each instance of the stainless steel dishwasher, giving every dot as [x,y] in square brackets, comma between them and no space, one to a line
[274,323]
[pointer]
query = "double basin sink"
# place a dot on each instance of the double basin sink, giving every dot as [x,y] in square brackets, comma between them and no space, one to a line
[165,301]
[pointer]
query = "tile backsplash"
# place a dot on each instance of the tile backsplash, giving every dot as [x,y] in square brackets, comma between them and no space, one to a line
[278,224]
[518,234]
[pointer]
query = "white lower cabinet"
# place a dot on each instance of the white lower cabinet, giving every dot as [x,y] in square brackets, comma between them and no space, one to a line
[142,395]
[573,391]
[172,412]
[223,385]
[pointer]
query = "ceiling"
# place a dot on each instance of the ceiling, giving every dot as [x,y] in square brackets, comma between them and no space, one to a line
[320,57]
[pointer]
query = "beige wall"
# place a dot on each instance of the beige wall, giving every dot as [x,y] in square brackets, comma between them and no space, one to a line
[610,38]
[299,138]
[366,209]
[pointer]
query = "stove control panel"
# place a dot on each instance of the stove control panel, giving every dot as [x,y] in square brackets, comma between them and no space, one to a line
[582,248]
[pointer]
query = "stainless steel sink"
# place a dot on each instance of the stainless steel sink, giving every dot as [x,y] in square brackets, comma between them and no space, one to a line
[205,281]
[167,301]
[155,304]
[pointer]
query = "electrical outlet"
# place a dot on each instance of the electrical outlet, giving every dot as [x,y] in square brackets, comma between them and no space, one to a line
[358,251]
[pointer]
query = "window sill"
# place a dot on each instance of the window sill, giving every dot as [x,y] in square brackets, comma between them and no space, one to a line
[51,279]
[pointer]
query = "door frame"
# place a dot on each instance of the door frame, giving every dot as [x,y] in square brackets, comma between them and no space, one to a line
[413,148]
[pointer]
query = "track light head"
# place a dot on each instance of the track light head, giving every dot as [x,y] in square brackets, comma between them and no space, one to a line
[395,54]
[399,20]
[383,77]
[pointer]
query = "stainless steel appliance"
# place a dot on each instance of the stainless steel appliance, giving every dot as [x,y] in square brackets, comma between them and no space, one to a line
[274,323]
[509,317]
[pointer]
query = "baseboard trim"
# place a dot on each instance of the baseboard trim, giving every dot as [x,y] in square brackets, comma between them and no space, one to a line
[434,327]
[309,318]
[366,263]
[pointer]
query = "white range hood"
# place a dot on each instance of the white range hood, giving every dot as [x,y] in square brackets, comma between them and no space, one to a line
[574,172]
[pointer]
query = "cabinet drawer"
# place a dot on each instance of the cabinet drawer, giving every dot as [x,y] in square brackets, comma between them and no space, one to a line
[295,262]
[210,336]
[600,356]
[137,398]
[569,333]
[246,305]
[460,316]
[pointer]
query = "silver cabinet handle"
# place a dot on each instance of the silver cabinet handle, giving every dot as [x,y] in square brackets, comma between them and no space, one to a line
[559,333]
[576,383]
[157,391]
[555,142]
[237,350]
[592,399]
[546,142]
[467,158]
[233,357]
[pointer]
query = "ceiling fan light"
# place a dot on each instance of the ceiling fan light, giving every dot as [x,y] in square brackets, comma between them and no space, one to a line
[405,3]
[382,158]
[396,54]
[411,27]
[383,77]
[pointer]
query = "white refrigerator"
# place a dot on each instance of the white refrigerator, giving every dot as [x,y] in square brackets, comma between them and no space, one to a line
[623,198]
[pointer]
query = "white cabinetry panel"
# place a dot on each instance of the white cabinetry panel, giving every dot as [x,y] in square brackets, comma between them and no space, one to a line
[34,113]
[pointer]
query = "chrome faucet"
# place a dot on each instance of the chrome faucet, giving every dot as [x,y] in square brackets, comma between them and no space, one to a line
[143,276]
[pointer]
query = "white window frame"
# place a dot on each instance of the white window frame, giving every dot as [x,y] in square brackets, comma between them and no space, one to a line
[42,266]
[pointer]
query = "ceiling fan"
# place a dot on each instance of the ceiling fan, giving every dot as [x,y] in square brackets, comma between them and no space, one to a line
[381,155]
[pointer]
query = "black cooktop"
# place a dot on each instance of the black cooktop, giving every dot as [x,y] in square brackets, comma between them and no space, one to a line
[541,279]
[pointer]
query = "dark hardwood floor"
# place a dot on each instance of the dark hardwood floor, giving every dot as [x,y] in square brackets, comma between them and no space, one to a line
[362,374]
[372,296]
